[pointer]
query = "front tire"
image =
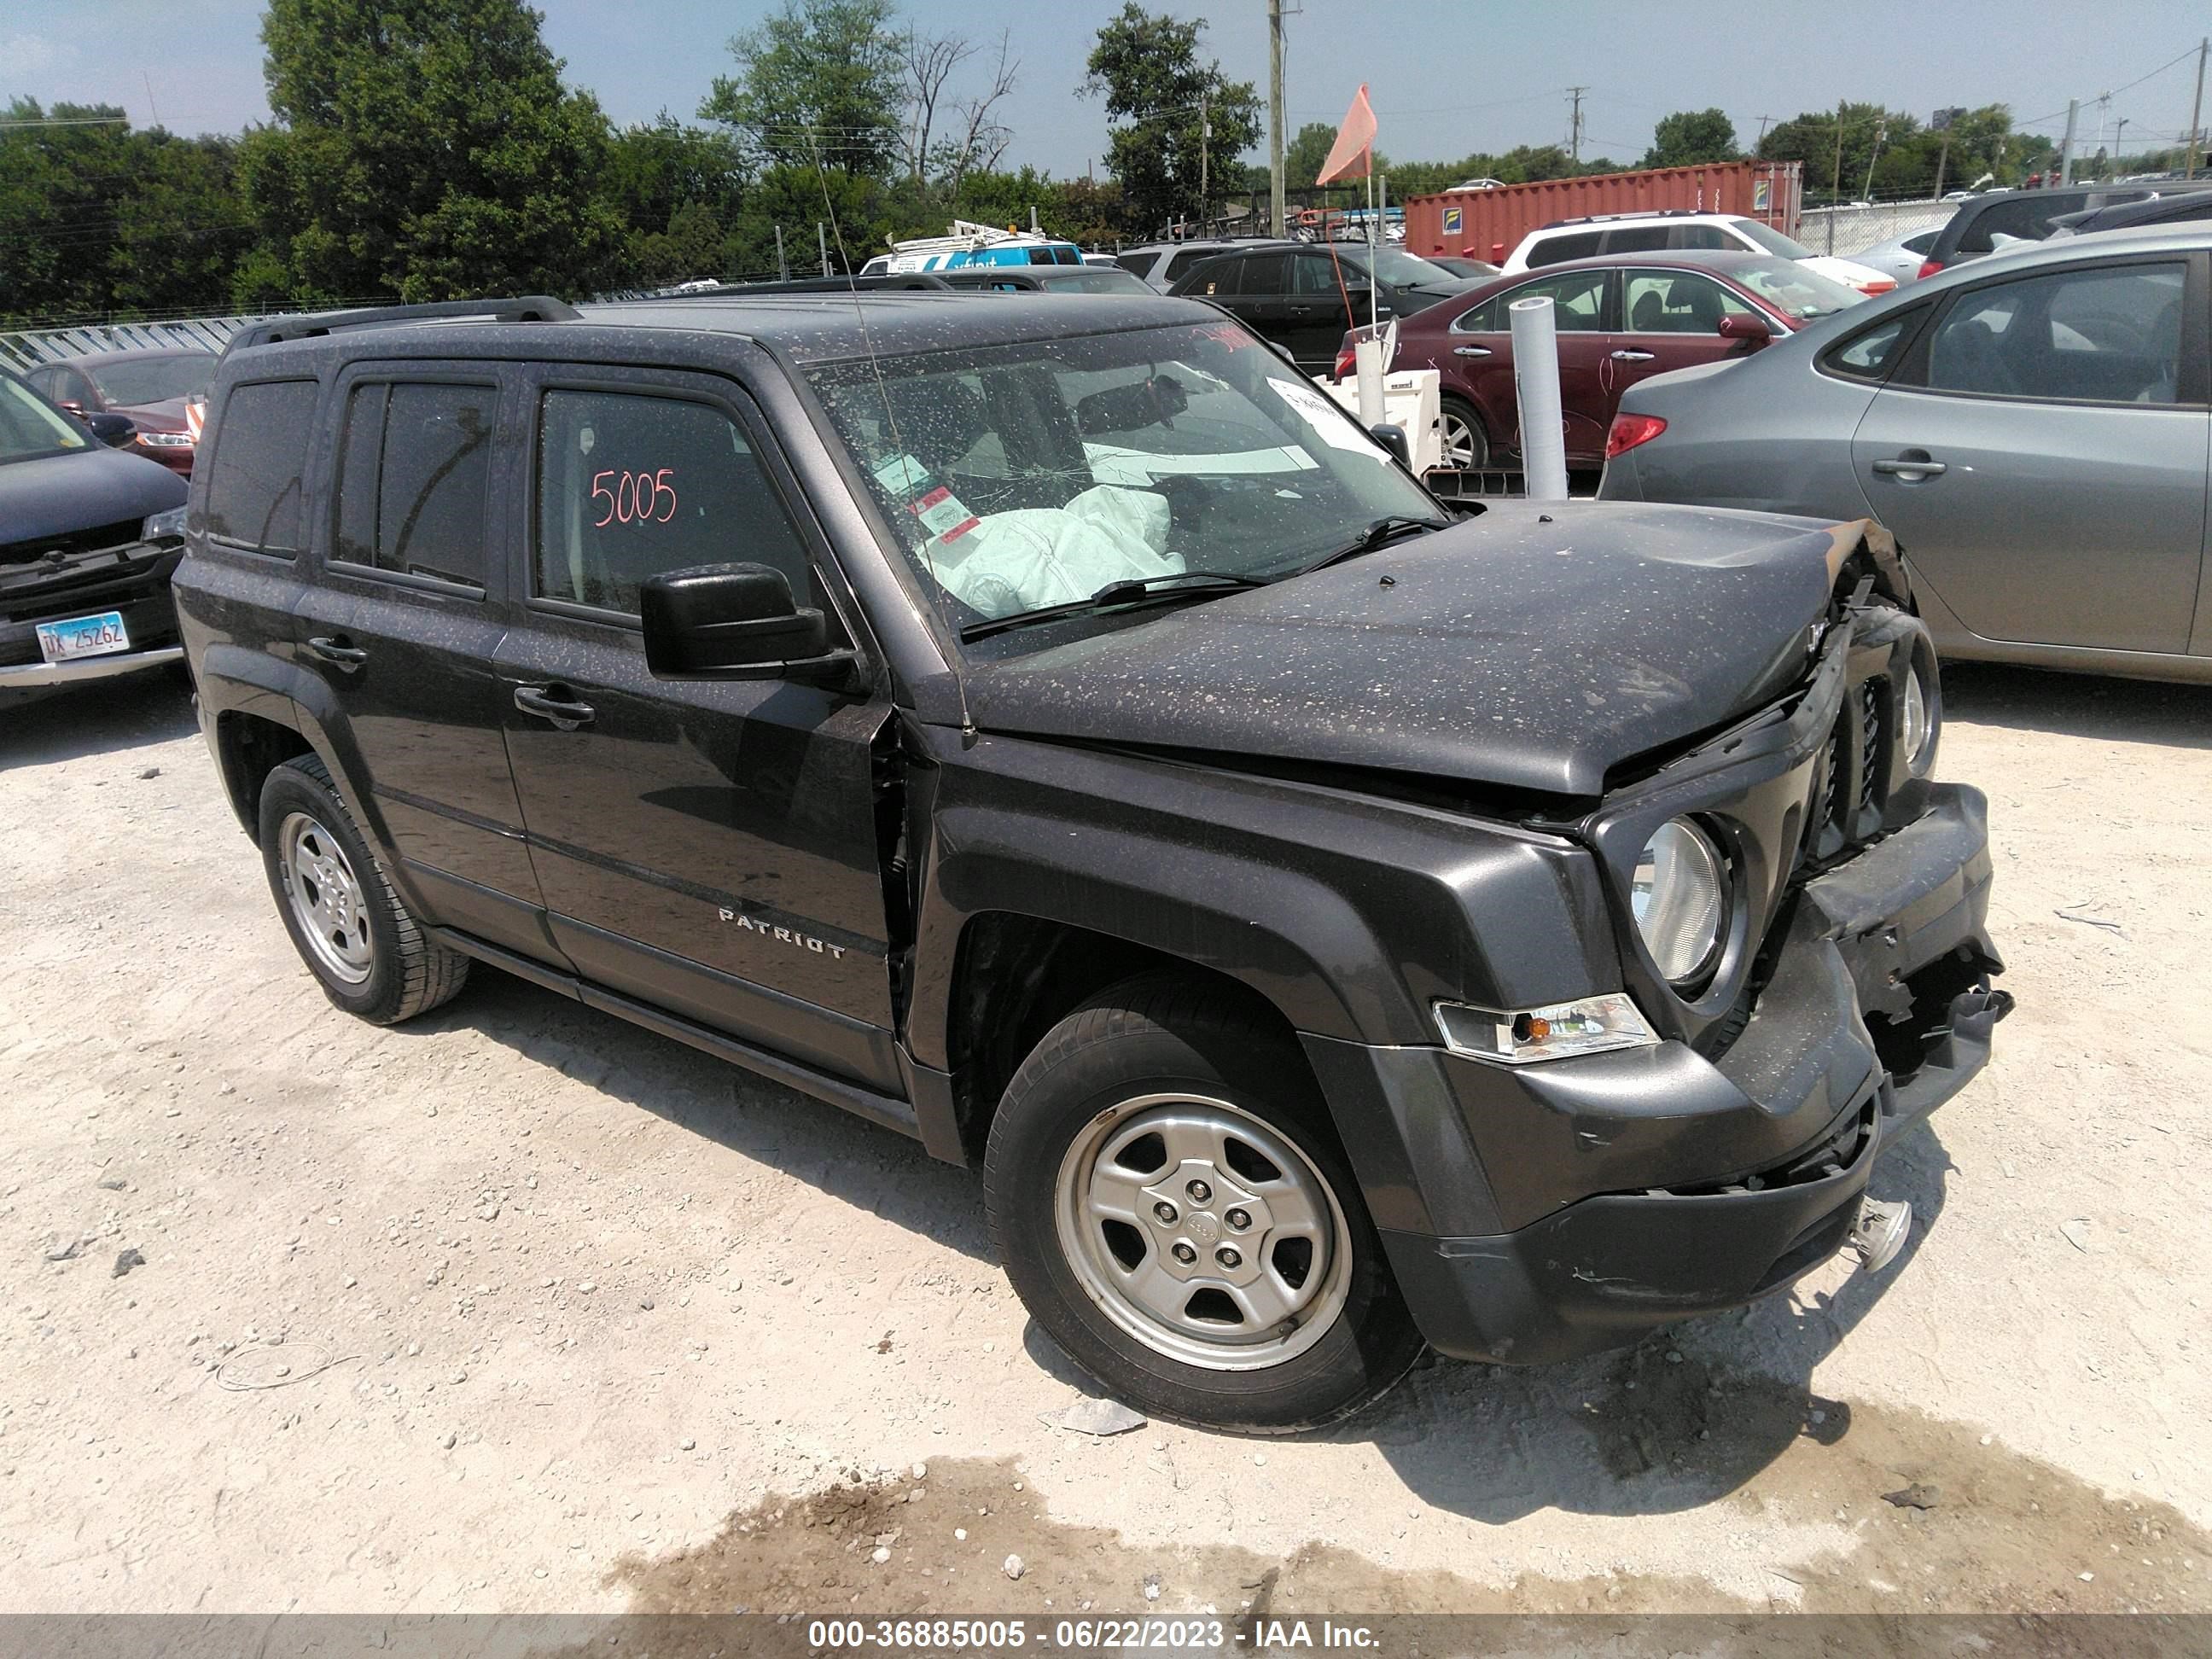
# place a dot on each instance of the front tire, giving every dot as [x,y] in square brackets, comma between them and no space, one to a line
[363,945]
[1172,1203]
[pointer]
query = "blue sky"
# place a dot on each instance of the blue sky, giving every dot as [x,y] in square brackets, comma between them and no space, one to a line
[1448,76]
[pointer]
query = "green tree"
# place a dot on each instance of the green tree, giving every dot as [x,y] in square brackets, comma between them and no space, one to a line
[96,218]
[421,147]
[1691,137]
[679,191]
[1303,156]
[821,82]
[1148,68]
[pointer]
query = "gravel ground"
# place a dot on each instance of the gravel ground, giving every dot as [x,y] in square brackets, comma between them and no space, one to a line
[519,1308]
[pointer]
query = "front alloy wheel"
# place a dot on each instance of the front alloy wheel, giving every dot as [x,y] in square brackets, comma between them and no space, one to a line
[1169,1197]
[1202,1233]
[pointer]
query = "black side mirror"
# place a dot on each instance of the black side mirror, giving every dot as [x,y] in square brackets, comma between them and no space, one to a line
[735,622]
[113,430]
[1392,438]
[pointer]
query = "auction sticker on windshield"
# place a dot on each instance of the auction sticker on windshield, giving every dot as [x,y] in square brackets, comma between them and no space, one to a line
[83,636]
[1326,419]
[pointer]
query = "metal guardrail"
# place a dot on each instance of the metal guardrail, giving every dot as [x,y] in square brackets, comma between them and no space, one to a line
[28,348]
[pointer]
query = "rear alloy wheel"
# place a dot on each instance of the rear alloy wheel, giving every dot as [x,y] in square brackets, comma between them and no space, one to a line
[1466,445]
[1170,1198]
[358,939]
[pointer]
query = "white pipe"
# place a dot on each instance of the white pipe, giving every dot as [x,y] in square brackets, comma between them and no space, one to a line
[1367,364]
[1536,390]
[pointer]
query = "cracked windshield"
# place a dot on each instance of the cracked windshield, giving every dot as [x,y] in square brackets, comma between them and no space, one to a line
[1023,477]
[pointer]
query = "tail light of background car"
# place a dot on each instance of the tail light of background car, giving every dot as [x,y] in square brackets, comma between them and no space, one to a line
[1629,430]
[1929,267]
[1345,365]
[1880,285]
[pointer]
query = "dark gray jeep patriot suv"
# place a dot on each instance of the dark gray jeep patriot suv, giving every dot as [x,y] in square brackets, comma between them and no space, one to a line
[1046,725]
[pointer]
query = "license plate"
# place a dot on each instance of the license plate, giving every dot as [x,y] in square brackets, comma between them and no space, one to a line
[83,636]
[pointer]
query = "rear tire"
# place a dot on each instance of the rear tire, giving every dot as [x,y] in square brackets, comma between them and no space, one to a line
[363,945]
[1167,1103]
[1466,444]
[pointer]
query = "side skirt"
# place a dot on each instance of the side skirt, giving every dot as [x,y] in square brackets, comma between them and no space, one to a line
[881,1109]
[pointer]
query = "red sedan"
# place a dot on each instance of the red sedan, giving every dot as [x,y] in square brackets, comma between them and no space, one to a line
[1621,318]
[159,390]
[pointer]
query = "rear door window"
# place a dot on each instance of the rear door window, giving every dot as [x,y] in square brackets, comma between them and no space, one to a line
[1637,239]
[1557,250]
[1701,236]
[256,486]
[632,486]
[414,475]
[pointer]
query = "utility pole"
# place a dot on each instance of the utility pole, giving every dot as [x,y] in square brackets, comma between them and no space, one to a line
[1575,122]
[2120,142]
[1205,133]
[1765,121]
[782,267]
[1880,132]
[821,236]
[1835,178]
[2066,144]
[2196,108]
[1275,115]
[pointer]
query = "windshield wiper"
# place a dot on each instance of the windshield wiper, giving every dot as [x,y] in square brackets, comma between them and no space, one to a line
[1138,590]
[1377,534]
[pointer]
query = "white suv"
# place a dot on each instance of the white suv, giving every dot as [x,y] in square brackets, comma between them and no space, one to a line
[1653,232]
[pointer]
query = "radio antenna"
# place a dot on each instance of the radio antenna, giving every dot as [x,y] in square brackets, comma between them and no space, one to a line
[890,420]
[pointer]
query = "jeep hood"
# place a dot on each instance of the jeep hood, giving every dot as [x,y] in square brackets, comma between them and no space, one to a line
[1526,648]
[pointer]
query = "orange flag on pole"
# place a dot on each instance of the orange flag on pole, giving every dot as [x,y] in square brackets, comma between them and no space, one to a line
[1353,155]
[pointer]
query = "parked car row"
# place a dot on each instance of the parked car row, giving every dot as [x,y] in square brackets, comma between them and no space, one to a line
[2031,425]
[164,391]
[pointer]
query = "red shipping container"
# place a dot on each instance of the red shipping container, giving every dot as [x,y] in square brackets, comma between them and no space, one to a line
[1488,224]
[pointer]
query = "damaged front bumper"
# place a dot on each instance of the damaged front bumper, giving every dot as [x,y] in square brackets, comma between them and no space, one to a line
[1627,1190]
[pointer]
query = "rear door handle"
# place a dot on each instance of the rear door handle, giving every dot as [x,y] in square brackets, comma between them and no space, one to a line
[338,651]
[1625,356]
[566,713]
[1471,351]
[1908,468]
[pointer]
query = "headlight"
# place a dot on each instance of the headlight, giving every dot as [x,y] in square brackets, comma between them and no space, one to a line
[167,527]
[164,439]
[1680,897]
[1915,724]
[1589,1026]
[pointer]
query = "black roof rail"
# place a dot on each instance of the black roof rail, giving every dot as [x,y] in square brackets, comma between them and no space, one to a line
[524,308]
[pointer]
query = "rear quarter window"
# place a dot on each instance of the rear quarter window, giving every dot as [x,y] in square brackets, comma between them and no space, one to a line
[1872,353]
[258,480]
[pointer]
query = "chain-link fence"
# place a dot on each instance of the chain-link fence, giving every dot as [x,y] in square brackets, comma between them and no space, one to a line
[1844,231]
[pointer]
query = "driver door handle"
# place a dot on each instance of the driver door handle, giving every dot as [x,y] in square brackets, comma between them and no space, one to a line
[340,652]
[1471,351]
[566,713]
[1907,467]
[1624,355]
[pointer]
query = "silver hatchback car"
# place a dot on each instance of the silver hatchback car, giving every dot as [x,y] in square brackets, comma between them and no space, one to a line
[2033,427]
